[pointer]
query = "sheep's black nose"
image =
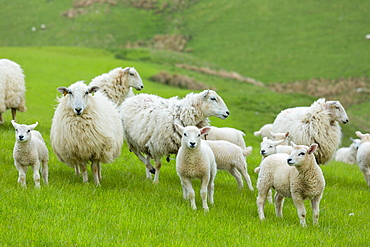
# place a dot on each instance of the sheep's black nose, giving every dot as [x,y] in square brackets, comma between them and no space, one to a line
[21,137]
[142,87]
[263,151]
[290,161]
[228,113]
[78,111]
[192,144]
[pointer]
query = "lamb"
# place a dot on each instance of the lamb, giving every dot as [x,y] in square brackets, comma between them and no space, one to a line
[12,88]
[30,150]
[195,159]
[269,147]
[363,155]
[117,84]
[231,157]
[264,131]
[317,123]
[280,136]
[296,176]
[227,134]
[86,128]
[348,154]
[148,123]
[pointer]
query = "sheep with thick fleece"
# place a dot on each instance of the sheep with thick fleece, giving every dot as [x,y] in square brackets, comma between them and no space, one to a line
[86,127]
[117,84]
[231,157]
[315,124]
[30,150]
[348,154]
[363,155]
[264,131]
[295,176]
[227,134]
[195,159]
[12,88]
[148,123]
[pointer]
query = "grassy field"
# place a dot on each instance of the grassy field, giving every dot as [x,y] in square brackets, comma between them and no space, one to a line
[127,208]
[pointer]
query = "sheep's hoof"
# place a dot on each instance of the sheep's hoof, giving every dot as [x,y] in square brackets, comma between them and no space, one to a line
[168,159]
[152,170]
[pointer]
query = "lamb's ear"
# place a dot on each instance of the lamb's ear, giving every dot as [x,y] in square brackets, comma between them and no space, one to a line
[15,125]
[287,134]
[359,134]
[293,144]
[272,134]
[179,128]
[32,126]
[312,148]
[63,90]
[278,142]
[93,89]
[205,130]
[206,94]
[264,138]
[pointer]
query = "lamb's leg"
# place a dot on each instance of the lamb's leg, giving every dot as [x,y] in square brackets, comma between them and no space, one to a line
[203,191]
[211,188]
[190,192]
[315,203]
[83,169]
[246,176]
[14,113]
[36,174]
[279,202]
[22,174]
[301,209]
[234,172]
[45,171]
[269,196]
[263,188]
[95,169]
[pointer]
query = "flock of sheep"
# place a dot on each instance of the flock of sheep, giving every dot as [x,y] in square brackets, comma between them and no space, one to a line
[91,122]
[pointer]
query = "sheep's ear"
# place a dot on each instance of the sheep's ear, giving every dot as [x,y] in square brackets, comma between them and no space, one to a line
[287,134]
[205,130]
[272,134]
[32,126]
[264,138]
[359,134]
[93,89]
[293,144]
[179,128]
[15,125]
[63,90]
[278,142]
[312,148]
[126,70]
[206,94]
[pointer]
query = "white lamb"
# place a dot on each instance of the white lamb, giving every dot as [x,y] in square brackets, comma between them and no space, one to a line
[363,155]
[296,176]
[12,88]
[315,124]
[148,123]
[227,134]
[348,154]
[231,157]
[269,147]
[195,159]
[86,128]
[264,131]
[117,84]
[30,150]
[280,136]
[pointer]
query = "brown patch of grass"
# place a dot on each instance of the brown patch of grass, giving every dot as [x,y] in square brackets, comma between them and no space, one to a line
[176,42]
[180,81]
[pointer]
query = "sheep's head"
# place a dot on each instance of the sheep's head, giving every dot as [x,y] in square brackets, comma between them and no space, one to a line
[78,94]
[337,111]
[23,131]
[363,137]
[268,146]
[302,154]
[213,105]
[133,78]
[191,135]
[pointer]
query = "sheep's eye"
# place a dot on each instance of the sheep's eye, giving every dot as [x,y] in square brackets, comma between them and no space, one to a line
[185,134]
[69,92]
[28,131]
[132,74]
[213,99]
[198,135]
[16,130]
[301,154]
[270,146]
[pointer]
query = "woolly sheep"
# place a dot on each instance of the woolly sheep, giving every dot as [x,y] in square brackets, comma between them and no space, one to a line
[117,84]
[148,123]
[363,155]
[30,150]
[264,131]
[231,157]
[86,127]
[317,123]
[348,154]
[195,159]
[12,88]
[295,176]
[227,134]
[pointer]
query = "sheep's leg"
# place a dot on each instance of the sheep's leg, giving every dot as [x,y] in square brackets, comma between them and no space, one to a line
[247,178]
[211,188]
[269,196]
[83,169]
[146,160]
[36,174]
[263,188]
[234,172]
[158,166]
[95,167]
[14,113]
[77,170]
[45,171]
[22,174]
[190,192]
[298,202]
[315,203]
[1,118]
[279,202]
[185,193]
[203,191]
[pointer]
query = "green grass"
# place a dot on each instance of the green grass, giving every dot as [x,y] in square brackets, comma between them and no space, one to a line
[128,209]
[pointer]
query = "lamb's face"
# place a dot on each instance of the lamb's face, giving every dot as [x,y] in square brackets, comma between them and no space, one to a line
[134,79]
[214,105]
[355,143]
[77,95]
[337,111]
[268,146]
[299,154]
[23,131]
[191,137]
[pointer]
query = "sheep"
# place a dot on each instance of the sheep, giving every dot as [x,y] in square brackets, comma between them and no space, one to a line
[148,123]
[86,127]
[280,136]
[264,131]
[269,147]
[348,154]
[295,176]
[30,150]
[12,88]
[117,84]
[363,155]
[317,123]
[227,134]
[195,159]
[231,157]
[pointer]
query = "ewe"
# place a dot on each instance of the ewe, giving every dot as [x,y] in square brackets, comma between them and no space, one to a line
[148,123]
[227,134]
[86,128]
[30,150]
[315,124]
[363,155]
[348,154]
[12,88]
[117,84]
[195,159]
[296,176]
